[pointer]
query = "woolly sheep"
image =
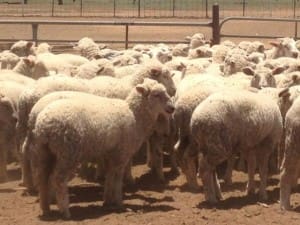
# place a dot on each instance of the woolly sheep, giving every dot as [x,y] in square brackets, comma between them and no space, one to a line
[43,48]
[120,88]
[31,67]
[8,59]
[196,40]
[118,130]
[180,50]
[227,122]
[88,48]
[9,95]
[262,76]
[284,47]
[291,163]
[200,52]
[23,48]
[9,75]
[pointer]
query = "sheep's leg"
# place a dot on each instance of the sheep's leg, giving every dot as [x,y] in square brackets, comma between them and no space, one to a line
[43,171]
[3,162]
[251,161]
[217,187]
[263,173]
[26,166]
[287,178]
[156,157]
[128,178]
[189,168]
[60,185]
[229,169]
[113,187]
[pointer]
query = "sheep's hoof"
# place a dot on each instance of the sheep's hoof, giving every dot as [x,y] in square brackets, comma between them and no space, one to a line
[66,215]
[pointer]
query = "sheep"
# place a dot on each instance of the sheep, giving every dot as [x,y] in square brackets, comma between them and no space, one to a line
[8,59]
[61,63]
[9,75]
[200,52]
[94,68]
[88,48]
[180,50]
[227,122]
[118,130]
[288,80]
[235,61]
[23,48]
[43,48]
[284,47]
[262,76]
[196,40]
[31,67]
[124,60]
[220,51]
[36,109]
[251,47]
[291,163]
[120,88]
[9,95]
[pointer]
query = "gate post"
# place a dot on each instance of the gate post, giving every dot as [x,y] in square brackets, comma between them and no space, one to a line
[215,25]
[35,32]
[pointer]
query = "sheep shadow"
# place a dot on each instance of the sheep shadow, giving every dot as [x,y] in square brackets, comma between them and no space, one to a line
[238,202]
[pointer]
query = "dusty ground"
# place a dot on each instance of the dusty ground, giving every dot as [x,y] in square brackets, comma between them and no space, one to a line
[149,202]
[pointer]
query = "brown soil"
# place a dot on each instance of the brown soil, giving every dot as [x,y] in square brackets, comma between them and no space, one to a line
[150,202]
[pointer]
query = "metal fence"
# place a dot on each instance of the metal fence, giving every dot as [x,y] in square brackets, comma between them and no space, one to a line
[149,8]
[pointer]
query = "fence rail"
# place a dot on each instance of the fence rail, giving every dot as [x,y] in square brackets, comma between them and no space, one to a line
[215,24]
[149,8]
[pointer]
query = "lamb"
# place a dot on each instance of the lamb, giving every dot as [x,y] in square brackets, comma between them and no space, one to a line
[251,47]
[118,130]
[8,59]
[288,80]
[227,122]
[9,92]
[43,48]
[203,51]
[291,163]
[180,50]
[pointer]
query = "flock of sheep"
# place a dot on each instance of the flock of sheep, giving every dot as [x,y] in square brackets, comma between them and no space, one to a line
[203,105]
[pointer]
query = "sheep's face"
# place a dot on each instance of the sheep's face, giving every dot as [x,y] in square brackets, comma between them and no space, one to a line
[286,47]
[291,79]
[157,97]
[163,76]
[263,77]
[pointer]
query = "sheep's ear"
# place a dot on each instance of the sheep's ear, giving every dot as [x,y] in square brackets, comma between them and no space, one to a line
[28,62]
[155,72]
[97,56]
[294,78]
[29,44]
[248,71]
[100,70]
[199,51]
[142,90]
[278,70]
[275,44]
[284,93]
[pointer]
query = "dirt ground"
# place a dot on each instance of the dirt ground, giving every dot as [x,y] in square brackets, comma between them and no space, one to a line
[149,202]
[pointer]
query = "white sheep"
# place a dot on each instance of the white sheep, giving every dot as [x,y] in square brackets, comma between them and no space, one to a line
[291,163]
[72,131]
[9,96]
[283,47]
[23,48]
[8,59]
[229,122]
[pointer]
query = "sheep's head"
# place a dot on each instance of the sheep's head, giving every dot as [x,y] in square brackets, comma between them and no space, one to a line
[285,47]
[23,48]
[263,77]
[157,97]
[162,75]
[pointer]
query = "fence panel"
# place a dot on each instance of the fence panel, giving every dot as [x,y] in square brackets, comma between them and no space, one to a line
[150,8]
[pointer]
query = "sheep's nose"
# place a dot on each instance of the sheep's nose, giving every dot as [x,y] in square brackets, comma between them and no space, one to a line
[170,108]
